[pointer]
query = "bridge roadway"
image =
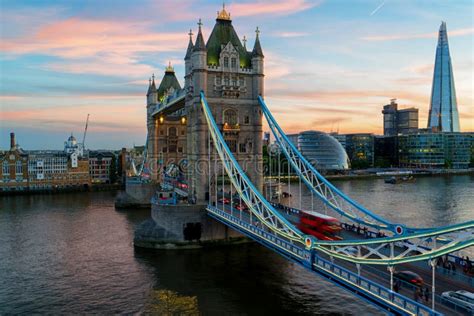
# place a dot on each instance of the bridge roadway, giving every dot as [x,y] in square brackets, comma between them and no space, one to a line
[380,274]
[443,281]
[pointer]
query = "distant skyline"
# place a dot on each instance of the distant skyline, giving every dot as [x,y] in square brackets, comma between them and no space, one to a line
[329,65]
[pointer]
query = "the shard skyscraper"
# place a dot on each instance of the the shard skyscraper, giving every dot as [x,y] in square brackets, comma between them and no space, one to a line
[443,114]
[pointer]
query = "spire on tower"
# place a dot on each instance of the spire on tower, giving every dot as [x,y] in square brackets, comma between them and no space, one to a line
[151,85]
[244,40]
[200,45]
[169,68]
[257,48]
[223,14]
[190,45]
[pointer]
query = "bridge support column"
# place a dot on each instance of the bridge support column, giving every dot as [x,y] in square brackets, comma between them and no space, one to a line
[391,268]
[433,288]
[359,254]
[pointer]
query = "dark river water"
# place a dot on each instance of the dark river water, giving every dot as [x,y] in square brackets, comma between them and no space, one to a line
[73,253]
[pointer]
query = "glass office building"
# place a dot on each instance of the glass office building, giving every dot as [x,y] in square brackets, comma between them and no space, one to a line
[399,121]
[323,151]
[435,150]
[360,149]
[443,115]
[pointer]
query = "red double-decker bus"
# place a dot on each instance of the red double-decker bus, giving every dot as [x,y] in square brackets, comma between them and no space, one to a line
[319,225]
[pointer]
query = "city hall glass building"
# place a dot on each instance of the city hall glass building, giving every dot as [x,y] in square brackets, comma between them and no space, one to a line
[323,151]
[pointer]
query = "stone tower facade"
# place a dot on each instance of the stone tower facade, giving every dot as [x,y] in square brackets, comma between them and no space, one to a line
[151,122]
[232,79]
[166,131]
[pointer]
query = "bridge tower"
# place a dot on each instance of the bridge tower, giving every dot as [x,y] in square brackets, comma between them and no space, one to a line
[232,79]
[159,152]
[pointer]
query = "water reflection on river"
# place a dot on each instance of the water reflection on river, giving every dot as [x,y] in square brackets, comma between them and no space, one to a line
[74,253]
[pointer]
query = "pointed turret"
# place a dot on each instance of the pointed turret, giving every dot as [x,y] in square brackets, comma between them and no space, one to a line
[151,85]
[152,94]
[189,51]
[257,65]
[257,49]
[200,45]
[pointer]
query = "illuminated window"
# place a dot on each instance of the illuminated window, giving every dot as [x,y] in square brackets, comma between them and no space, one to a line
[230,117]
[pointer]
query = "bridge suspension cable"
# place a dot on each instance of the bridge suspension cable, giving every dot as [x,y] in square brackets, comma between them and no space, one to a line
[413,247]
[409,246]
[257,204]
[139,172]
[421,245]
[323,189]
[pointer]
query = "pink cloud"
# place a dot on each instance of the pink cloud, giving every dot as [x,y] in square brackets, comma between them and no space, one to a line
[10,97]
[452,33]
[104,117]
[316,109]
[291,34]
[97,47]
[103,67]
[79,38]
[281,7]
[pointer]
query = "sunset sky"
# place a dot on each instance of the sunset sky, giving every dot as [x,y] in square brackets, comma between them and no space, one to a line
[329,64]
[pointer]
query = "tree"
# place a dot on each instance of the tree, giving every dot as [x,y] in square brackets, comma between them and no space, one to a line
[167,303]
[448,164]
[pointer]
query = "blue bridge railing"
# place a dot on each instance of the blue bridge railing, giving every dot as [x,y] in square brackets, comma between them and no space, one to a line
[363,287]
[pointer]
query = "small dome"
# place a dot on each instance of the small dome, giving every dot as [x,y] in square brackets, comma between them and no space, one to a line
[323,151]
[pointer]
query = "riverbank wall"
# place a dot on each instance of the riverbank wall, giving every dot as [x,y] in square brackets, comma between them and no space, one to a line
[183,226]
[372,174]
[91,188]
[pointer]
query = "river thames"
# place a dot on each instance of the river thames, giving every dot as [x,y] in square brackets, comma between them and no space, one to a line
[73,253]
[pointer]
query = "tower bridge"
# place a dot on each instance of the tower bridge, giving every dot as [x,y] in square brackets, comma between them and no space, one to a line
[211,132]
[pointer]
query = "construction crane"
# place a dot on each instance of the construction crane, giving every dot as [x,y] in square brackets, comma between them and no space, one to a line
[85,132]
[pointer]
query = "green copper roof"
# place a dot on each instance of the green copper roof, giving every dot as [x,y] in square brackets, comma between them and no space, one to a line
[169,80]
[222,34]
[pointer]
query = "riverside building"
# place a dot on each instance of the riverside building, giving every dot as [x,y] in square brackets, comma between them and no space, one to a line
[43,170]
[399,121]
[14,168]
[322,150]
